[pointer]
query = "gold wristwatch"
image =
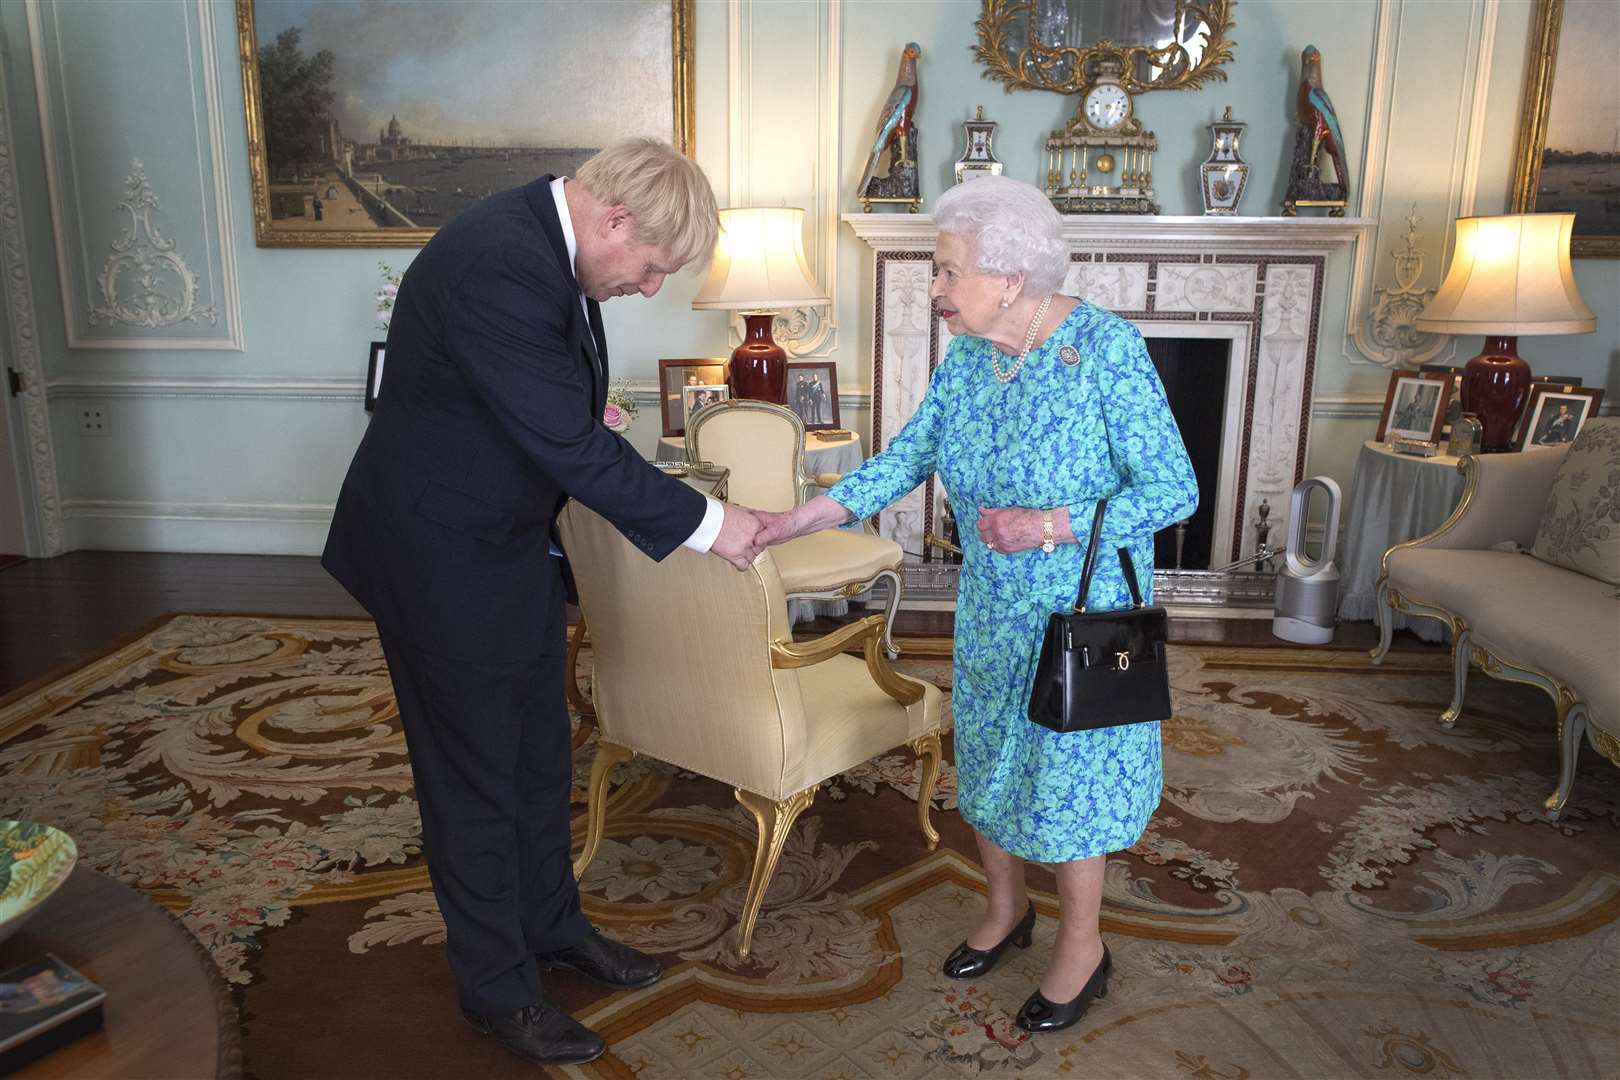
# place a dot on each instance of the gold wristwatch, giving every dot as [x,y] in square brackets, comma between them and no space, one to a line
[1048,537]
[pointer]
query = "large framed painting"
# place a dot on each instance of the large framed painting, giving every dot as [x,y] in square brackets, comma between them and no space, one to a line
[1569,129]
[371,123]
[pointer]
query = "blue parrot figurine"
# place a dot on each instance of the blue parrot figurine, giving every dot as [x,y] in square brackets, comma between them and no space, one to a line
[1316,112]
[895,118]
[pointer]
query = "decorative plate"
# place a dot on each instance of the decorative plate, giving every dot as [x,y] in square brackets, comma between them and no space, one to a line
[34,861]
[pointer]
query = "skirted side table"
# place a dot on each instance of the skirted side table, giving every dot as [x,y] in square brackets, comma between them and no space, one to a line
[1393,497]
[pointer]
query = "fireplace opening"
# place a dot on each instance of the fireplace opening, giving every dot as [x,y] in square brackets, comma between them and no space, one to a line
[1193,371]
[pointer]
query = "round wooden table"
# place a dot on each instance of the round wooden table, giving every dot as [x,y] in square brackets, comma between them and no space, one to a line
[168,1012]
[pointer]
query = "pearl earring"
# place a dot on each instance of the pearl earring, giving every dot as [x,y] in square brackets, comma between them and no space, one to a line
[1005,303]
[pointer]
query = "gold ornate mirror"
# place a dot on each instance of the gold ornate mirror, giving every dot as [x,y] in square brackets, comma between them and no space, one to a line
[1054,44]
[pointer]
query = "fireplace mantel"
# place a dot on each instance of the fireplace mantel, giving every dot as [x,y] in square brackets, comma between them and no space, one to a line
[1254,281]
[1274,234]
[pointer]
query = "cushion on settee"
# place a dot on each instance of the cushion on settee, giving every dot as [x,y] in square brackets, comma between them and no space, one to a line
[1580,524]
[1529,613]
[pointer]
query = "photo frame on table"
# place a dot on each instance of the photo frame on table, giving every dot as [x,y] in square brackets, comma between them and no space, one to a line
[1415,405]
[373,122]
[1556,412]
[1568,158]
[374,370]
[697,398]
[1454,404]
[812,393]
[674,376]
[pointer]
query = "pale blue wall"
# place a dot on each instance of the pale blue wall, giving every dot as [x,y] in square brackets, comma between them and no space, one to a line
[243,449]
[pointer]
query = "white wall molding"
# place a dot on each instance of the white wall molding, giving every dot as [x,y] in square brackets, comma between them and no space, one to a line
[262,528]
[1347,406]
[803,332]
[23,350]
[1378,326]
[96,388]
[67,190]
[257,389]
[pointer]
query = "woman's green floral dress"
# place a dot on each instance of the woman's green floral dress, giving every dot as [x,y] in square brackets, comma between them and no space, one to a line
[1059,434]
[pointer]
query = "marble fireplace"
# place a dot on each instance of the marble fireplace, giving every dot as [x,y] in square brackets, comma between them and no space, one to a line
[1252,285]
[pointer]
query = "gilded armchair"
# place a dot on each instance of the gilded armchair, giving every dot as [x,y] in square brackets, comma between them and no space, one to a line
[694,664]
[763,447]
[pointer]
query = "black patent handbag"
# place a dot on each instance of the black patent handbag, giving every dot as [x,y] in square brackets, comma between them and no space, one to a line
[1102,668]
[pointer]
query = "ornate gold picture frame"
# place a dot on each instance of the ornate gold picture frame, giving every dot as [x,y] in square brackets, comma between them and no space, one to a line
[1583,179]
[360,138]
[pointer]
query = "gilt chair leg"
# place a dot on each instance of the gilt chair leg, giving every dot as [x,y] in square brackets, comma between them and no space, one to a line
[607,755]
[1386,622]
[775,820]
[576,697]
[926,747]
[1571,730]
[1459,675]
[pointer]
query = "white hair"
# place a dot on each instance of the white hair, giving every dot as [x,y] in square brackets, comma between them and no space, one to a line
[1013,227]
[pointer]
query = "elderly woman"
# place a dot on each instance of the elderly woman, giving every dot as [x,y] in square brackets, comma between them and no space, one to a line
[1042,406]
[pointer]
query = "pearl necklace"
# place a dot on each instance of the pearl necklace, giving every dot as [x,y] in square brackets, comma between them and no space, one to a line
[1005,377]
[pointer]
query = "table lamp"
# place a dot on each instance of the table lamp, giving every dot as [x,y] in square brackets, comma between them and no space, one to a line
[759,270]
[1509,275]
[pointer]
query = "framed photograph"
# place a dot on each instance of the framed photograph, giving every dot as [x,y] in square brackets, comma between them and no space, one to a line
[1568,157]
[1415,405]
[676,376]
[1555,414]
[374,368]
[1564,380]
[373,122]
[695,399]
[1454,403]
[812,393]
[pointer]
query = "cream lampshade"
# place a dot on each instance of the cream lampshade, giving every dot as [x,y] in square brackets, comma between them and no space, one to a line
[759,269]
[1509,275]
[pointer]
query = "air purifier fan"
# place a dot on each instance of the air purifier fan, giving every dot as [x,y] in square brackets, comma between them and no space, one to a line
[1308,589]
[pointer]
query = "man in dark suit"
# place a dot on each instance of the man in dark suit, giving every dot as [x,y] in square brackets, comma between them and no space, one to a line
[488,421]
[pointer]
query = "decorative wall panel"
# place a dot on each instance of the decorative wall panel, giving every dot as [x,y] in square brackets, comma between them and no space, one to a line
[136,166]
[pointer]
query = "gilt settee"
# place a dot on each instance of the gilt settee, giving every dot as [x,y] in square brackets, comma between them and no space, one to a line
[1526,573]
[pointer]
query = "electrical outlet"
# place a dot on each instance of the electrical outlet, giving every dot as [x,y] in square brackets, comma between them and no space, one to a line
[94,420]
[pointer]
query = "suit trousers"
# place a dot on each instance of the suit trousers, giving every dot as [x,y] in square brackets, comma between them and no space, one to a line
[490,752]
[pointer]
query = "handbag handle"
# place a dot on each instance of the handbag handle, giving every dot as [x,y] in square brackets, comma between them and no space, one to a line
[1125,564]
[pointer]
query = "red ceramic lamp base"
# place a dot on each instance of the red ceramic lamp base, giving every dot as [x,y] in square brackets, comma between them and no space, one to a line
[759,364]
[1495,386]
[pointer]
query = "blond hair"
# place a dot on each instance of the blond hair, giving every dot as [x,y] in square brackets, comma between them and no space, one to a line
[668,196]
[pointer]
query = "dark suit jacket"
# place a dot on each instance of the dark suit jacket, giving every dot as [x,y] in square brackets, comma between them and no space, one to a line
[489,417]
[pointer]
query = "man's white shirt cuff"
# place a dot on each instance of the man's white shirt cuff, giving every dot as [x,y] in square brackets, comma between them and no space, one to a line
[708,531]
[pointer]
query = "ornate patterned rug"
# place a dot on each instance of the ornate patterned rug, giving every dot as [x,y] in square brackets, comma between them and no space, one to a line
[1334,885]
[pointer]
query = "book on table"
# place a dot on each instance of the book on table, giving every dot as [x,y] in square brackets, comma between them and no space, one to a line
[44,1005]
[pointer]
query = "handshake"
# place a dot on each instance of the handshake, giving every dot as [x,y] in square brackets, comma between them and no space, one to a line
[745,533]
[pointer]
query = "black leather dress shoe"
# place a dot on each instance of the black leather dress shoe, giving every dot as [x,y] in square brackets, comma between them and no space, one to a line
[1039,1014]
[966,962]
[541,1033]
[606,961]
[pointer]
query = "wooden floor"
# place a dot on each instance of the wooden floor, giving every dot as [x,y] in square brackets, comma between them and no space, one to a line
[57,613]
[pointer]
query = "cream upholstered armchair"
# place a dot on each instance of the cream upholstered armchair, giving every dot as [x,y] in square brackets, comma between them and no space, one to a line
[763,447]
[694,665]
[1513,610]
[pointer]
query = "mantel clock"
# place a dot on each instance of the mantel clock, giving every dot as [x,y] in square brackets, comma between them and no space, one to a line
[1102,160]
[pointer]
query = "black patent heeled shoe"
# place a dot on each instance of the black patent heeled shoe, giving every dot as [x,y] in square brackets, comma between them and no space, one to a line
[966,962]
[1039,1014]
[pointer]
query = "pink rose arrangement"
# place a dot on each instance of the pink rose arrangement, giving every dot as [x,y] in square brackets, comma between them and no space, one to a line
[620,409]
